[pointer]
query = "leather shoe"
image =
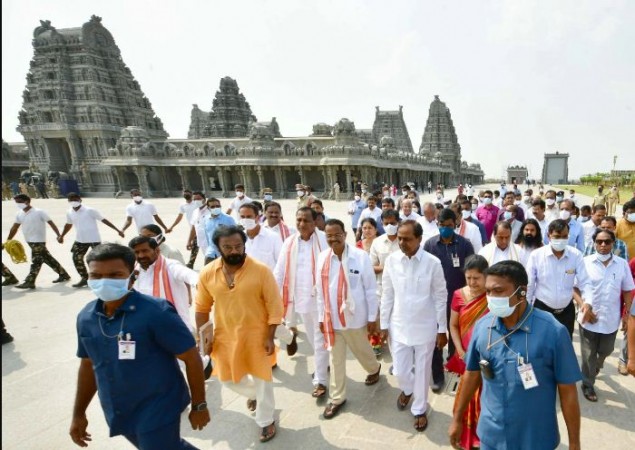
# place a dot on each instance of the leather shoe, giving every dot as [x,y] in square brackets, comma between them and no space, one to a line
[332,410]
[26,286]
[10,281]
[438,387]
[62,278]
[81,283]
[292,348]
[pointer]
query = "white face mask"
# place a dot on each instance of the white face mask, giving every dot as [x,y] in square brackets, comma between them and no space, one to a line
[363,191]
[404,193]
[565,215]
[466,214]
[357,198]
[559,244]
[21,206]
[300,193]
[474,207]
[526,199]
[198,203]
[248,224]
[631,217]
[215,211]
[550,202]
[240,194]
[268,197]
[604,258]
[390,229]
[487,201]
[137,199]
[75,204]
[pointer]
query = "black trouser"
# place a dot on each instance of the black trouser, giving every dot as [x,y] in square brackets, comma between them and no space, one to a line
[438,371]
[594,348]
[565,316]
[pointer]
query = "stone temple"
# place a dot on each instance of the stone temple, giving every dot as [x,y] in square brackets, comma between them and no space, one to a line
[84,114]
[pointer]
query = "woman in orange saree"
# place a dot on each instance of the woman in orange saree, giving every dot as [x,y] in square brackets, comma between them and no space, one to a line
[469,304]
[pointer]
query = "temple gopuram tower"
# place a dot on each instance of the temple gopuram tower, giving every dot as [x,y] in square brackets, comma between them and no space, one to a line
[231,114]
[391,123]
[79,97]
[440,140]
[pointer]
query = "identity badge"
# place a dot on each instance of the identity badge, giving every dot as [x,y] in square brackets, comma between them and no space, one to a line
[527,376]
[127,349]
[456,262]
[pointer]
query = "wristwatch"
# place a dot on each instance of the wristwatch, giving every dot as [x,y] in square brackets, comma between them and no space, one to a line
[199,406]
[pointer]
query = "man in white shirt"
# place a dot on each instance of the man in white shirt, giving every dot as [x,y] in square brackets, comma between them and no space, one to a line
[33,222]
[413,311]
[237,202]
[295,275]
[347,310]
[537,212]
[428,221]
[86,233]
[553,270]
[552,210]
[371,211]
[273,221]
[501,248]
[610,281]
[466,229]
[262,244]
[406,211]
[510,215]
[598,214]
[143,212]
[193,201]
[162,277]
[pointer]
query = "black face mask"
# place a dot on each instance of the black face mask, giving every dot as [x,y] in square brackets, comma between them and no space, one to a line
[234,260]
[530,240]
[187,197]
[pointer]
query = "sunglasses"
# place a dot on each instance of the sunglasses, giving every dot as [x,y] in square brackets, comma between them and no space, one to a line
[603,241]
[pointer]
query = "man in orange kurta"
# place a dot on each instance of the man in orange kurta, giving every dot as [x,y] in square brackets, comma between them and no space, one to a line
[247,310]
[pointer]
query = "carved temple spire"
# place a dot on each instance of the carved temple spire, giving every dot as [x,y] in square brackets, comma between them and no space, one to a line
[231,114]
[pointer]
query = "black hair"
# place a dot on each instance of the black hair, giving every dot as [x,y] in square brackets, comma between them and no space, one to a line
[369,220]
[239,186]
[534,222]
[139,240]
[109,251]
[251,206]
[304,209]
[446,214]
[558,225]
[212,199]
[416,227]
[226,231]
[390,213]
[628,205]
[597,208]
[611,219]
[22,197]
[502,224]
[337,222]
[257,204]
[539,203]
[317,201]
[198,193]
[476,262]
[135,190]
[600,230]
[388,200]
[272,203]
[587,208]
[152,228]
[512,270]
[73,196]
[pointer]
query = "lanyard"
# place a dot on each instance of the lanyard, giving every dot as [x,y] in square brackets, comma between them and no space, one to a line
[502,339]
[119,335]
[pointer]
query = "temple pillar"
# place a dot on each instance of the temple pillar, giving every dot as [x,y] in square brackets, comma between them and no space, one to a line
[279,184]
[300,171]
[220,173]
[142,175]
[283,178]
[183,174]
[203,174]
[164,181]
[327,185]
[261,180]
[350,189]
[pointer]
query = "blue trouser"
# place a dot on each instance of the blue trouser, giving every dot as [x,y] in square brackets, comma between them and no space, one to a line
[165,437]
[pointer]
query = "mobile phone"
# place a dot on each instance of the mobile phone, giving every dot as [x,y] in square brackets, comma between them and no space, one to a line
[486,369]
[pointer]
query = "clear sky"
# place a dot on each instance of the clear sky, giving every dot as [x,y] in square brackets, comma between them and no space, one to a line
[521,78]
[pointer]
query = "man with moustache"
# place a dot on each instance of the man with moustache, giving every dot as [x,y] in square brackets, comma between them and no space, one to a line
[273,220]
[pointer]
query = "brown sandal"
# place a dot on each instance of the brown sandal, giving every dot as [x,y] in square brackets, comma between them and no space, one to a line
[418,426]
[268,433]
[403,400]
[319,391]
[332,409]
[251,405]
[373,378]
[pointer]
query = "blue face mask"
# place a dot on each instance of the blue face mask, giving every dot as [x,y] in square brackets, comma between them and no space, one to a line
[446,232]
[109,289]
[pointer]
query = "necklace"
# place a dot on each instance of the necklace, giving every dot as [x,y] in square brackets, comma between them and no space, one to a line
[229,279]
[119,335]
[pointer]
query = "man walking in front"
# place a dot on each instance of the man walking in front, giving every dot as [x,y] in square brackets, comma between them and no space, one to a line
[142,211]
[247,311]
[128,344]
[413,311]
[347,310]
[33,222]
[84,219]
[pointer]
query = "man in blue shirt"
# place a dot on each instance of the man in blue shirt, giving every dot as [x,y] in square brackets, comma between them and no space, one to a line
[451,249]
[128,344]
[355,209]
[217,218]
[521,356]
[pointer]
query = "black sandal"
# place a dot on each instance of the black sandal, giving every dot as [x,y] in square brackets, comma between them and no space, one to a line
[589,393]
[403,400]
[266,435]
[421,428]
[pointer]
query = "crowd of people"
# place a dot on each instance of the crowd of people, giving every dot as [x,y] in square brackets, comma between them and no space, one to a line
[498,277]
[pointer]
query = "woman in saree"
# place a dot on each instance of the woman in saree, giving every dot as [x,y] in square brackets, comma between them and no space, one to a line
[469,304]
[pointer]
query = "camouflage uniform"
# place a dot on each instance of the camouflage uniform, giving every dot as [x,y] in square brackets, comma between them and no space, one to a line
[79,250]
[40,255]
[193,254]
[7,274]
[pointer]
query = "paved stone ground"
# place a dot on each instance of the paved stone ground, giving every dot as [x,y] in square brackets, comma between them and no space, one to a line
[39,376]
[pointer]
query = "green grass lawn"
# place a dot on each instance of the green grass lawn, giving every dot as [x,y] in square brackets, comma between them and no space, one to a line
[625,193]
